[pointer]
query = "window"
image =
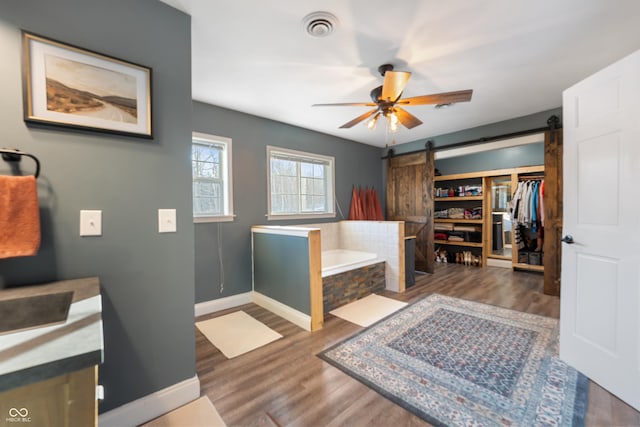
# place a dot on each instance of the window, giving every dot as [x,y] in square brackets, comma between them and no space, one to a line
[211,170]
[300,185]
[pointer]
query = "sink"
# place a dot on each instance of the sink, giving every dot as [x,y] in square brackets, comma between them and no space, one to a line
[19,311]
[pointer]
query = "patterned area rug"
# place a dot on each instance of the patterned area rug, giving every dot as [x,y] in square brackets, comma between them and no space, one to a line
[460,363]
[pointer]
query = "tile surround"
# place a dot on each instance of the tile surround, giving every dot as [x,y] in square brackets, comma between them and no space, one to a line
[381,237]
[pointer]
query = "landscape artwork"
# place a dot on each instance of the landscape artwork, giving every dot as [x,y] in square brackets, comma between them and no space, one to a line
[76,88]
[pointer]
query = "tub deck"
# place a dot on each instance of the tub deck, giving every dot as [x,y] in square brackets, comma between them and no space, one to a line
[337,261]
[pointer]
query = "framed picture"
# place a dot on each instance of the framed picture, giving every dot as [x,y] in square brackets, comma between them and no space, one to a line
[75,88]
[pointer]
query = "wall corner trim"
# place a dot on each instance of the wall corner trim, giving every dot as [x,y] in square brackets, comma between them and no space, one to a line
[219,304]
[292,315]
[153,405]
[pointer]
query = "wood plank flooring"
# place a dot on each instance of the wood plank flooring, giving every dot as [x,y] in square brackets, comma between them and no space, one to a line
[285,384]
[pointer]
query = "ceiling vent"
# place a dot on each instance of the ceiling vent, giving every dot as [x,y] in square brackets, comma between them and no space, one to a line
[320,24]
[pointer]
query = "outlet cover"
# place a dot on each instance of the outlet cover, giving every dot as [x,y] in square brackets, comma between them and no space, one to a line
[90,223]
[167,221]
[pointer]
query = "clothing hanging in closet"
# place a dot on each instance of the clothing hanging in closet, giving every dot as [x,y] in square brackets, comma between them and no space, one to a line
[527,211]
[526,206]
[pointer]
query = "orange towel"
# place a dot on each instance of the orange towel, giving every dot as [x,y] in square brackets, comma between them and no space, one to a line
[19,216]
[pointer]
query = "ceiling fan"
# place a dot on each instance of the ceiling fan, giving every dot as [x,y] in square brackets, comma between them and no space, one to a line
[386,99]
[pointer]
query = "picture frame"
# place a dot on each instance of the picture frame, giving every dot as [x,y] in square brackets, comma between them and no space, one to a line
[75,88]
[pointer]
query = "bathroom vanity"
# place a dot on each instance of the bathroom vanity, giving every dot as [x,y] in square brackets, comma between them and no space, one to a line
[49,356]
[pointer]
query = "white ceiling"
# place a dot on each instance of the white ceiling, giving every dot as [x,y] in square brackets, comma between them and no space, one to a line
[517,55]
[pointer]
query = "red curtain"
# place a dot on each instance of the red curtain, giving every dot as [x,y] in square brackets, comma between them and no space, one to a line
[365,205]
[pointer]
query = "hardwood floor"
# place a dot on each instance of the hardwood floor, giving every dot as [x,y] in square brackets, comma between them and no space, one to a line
[285,384]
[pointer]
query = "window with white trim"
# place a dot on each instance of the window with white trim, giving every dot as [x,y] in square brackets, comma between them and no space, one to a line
[300,185]
[211,172]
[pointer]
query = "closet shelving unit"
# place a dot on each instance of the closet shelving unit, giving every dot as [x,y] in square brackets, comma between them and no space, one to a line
[481,178]
[456,181]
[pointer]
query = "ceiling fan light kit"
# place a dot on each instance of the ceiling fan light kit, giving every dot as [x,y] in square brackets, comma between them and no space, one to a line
[392,120]
[371,124]
[387,101]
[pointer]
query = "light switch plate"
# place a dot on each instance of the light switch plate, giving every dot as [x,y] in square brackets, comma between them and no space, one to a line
[90,223]
[167,221]
[99,392]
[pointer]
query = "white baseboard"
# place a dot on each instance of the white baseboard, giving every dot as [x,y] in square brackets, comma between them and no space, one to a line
[153,405]
[219,304]
[294,316]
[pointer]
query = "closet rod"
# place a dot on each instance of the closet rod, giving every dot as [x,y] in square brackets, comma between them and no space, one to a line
[531,178]
[15,155]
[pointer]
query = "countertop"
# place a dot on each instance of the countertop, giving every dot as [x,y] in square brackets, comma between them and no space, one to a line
[45,352]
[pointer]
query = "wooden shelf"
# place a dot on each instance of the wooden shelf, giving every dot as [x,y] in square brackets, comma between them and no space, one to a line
[457,198]
[491,173]
[504,257]
[458,221]
[530,267]
[466,202]
[452,243]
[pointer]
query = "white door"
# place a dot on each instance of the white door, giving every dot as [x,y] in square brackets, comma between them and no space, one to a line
[600,297]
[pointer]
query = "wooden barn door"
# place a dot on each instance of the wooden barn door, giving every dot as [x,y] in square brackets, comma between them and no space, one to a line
[553,210]
[410,199]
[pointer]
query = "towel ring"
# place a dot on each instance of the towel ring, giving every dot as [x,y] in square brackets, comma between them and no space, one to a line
[15,155]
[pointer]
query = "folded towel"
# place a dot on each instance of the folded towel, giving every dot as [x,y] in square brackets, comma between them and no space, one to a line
[443,227]
[19,216]
[466,228]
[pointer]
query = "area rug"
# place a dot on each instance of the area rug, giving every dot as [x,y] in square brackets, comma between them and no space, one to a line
[368,310]
[236,333]
[459,363]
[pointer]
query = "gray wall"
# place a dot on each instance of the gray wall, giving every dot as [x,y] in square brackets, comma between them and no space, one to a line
[356,164]
[147,278]
[498,159]
[505,158]
[290,285]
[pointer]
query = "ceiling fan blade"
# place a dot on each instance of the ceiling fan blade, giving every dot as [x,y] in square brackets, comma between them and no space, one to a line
[393,85]
[347,104]
[407,119]
[439,98]
[359,119]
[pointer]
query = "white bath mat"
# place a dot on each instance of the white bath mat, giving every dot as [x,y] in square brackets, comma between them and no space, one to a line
[237,333]
[200,412]
[368,310]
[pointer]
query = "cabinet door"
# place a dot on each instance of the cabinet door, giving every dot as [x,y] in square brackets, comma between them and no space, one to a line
[64,401]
